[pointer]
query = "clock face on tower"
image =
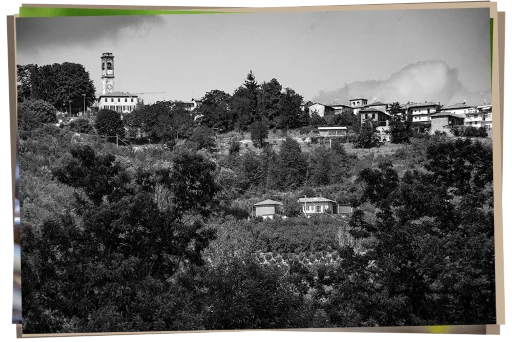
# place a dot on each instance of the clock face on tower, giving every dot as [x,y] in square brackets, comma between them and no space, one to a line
[109,87]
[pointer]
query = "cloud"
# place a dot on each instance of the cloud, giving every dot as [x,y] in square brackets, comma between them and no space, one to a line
[418,82]
[35,34]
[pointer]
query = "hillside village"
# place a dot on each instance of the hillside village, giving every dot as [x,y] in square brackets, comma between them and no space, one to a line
[310,124]
[255,209]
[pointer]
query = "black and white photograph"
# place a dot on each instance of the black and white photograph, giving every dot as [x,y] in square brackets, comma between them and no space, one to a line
[271,170]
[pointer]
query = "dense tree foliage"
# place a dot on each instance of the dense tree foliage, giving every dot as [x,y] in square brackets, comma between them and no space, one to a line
[81,125]
[61,85]
[367,136]
[259,133]
[163,121]
[109,123]
[428,223]
[44,112]
[400,125]
[148,238]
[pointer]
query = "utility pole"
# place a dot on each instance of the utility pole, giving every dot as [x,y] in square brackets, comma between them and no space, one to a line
[84,104]
[117,140]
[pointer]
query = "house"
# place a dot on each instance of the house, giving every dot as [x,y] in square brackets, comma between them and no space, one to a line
[320,109]
[481,118]
[421,112]
[198,102]
[342,109]
[267,209]
[442,122]
[318,205]
[118,101]
[383,107]
[357,104]
[459,108]
[305,104]
[374,114]
[332,131]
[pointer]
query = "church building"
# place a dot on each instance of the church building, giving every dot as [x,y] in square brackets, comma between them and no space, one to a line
[118,101]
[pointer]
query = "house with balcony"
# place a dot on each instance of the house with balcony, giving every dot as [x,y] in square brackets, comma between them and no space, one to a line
[421,112]
[358,104]
[482,117]
[375,114]
[459,108]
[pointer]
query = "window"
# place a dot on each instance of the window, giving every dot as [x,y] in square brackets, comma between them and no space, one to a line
[125,100]
[318,209]
[132,99]
[112,100]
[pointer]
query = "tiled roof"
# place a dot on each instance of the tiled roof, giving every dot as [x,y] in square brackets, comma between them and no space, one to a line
[118,94]
[462,116]
[339,105]
[377,103]
[457,106]
[424,104]
[268,202]
[314,199]
[371,110]
[321,104]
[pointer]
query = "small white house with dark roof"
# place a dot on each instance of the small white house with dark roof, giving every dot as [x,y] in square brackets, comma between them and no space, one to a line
[318,205]
[267,209]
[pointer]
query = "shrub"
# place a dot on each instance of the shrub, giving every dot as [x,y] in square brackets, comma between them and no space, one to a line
[45,112]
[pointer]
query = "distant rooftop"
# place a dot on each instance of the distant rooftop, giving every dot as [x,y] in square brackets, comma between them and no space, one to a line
[461,105]
[118,94]
[268,202]
[420,104]
[332,127]
[314,199]
[377,103]
[462,116]
[371,110]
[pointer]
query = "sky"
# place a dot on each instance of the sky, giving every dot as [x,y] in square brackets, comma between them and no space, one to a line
[405,55]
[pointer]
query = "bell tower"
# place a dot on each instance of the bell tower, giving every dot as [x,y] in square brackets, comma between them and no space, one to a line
[107,73]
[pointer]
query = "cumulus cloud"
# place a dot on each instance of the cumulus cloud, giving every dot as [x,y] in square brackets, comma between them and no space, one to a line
[423,81]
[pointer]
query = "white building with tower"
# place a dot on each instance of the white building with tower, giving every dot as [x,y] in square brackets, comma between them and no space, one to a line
[118,101]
